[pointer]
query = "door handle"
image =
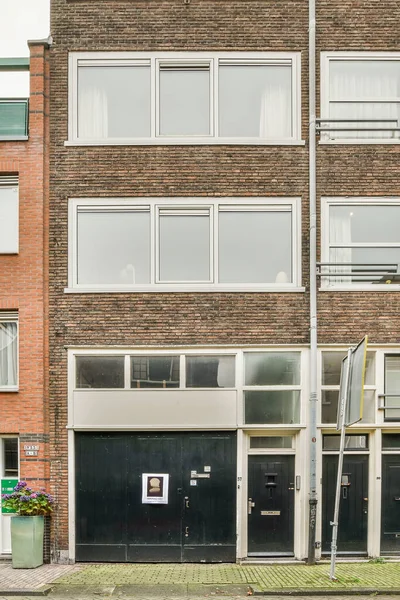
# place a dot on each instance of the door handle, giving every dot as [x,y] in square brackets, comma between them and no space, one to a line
[186,531]
[186,501]
[250,505]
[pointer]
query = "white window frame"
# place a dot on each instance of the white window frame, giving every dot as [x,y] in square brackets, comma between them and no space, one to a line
[11,317]
[326,202]
[11,182]
[292,205]
[2,456]
[155,59]
[326,58]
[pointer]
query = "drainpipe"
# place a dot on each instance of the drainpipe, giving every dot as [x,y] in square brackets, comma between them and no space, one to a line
[313,500]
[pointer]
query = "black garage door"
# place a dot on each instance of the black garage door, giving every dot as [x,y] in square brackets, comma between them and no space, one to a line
[114,522]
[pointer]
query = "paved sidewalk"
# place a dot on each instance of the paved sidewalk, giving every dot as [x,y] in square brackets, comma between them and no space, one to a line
[189,580]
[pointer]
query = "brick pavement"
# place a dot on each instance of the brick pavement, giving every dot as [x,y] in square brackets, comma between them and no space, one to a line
[32,579]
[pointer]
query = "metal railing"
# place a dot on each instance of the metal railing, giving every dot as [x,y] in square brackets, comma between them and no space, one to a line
[360,272]
[14,114]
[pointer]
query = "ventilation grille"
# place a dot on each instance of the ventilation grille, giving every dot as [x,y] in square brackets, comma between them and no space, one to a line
[7,180]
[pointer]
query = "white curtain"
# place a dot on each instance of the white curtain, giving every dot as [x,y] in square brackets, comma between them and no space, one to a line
[8,354]
[339,233]
[360,84]
[92,114]
[275,114]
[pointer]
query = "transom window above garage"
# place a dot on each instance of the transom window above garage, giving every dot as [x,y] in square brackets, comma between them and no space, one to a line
[152,371]
[184,244]
[180,97]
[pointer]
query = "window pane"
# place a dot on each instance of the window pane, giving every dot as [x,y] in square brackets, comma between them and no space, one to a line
[8,219]
[351,442]
[185,101]
[364,78]
[364,224]
[365,256]
[369,110]
[272,407]
[184,247]
[8,354]
[113,102]
[390,441]
[255,101]
[329,406]
[272,368]
[210,371]
[271,442]
[99,371]
[331,366]
[392,387]
[113,247]
[10,446]
[255,247]
[154,371]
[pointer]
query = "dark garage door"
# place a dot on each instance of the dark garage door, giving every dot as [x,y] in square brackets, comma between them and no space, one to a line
[198,523]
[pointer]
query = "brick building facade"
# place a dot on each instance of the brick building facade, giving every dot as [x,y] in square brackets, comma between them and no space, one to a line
[24,426]
[195,171]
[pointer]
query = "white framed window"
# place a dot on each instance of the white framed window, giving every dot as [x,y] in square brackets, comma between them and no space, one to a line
[360,243]
[272,388]
[184,98]
[184,244]
[9,457]
[360,97]
[9,214]
[331,363]
[8,351]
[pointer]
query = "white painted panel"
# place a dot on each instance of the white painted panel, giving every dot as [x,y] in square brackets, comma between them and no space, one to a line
[5,530]
[131,409]
[8,220]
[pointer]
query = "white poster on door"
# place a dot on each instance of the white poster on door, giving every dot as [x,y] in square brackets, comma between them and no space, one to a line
[155,488]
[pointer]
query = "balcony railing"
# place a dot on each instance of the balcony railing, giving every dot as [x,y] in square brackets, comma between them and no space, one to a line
[359,272]
[13,119]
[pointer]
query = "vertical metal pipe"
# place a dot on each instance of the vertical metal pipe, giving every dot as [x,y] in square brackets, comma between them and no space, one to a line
[313,499]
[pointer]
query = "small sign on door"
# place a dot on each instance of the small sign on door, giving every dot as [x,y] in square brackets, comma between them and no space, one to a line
[155,488]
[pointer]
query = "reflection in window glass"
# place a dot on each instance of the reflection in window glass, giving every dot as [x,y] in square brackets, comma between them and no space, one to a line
[185,100]
[99,371]
[264,254]
[332,364]
[113,102]
[210,371]
[10,457]
[392,388]
[184,245]
[272,368]
[352,442]
[255,101]
[154,371]
[113,247]
[272,407]
[271,442]
[329,406]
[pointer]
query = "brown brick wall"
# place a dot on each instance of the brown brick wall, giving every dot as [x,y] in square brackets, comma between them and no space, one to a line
[164,319]
[22,279]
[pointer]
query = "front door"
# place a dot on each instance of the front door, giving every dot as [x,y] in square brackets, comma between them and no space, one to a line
[271,505]
[353,512]
[390,536]
[114,521]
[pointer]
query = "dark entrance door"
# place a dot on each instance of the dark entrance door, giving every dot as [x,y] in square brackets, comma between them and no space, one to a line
[197,524]
[390,536]
[353,513]
[271,505]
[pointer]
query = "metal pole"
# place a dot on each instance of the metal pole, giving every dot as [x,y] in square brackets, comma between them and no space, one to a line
[313,500]
[335,522]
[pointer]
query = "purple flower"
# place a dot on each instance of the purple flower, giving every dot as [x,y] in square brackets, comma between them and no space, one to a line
[20,485]
[33,496]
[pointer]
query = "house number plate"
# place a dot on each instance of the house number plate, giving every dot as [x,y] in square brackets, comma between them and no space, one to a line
[269,513]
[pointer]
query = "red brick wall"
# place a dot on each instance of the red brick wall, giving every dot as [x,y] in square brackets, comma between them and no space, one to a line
[22,278]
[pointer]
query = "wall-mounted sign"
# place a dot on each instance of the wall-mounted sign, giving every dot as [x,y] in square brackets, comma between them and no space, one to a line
[31,449]
[155,488]
[7,487]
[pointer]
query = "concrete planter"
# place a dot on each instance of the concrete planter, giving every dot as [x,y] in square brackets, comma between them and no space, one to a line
[27,542]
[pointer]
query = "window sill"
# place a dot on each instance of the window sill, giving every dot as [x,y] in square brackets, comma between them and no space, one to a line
[182,141]
[346,142]
[184,288]
[8,390]
[379,287]
[14,138]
